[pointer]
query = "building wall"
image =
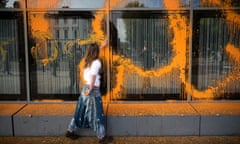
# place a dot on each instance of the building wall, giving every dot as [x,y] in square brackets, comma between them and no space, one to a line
[186,50]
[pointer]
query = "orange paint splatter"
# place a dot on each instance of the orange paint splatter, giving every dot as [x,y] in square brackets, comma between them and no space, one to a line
[40,29]
[195,93]
[177,23]
[233,52]
[39,23]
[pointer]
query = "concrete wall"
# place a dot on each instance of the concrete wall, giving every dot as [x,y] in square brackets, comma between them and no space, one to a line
[7,111]
[129,119]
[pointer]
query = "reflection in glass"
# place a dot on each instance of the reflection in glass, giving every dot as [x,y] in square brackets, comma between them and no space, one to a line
[147,42]
[11,3]
[10,72]
[216,3]
[145,3]
[65,3]
[55,52]
[212,65]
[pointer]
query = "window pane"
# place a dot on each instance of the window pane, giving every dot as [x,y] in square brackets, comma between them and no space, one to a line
[144,3]
[144,46]
[214,68]
[11,3]
[216,3]
[65,3]
[11,56]
[55,52]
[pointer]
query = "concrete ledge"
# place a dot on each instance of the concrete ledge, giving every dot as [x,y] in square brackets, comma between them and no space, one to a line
[6,121]
[45,120]
[219,118]
[152,119]
[128,119]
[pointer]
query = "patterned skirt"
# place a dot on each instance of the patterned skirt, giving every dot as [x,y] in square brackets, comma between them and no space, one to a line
[89,113]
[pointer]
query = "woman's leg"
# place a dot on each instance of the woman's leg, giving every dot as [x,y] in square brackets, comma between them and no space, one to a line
[100,125]
[73,125]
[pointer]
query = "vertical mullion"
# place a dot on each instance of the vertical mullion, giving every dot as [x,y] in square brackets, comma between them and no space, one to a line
[27,72]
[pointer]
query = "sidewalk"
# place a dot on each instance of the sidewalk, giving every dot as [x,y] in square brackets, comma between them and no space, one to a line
[125,140]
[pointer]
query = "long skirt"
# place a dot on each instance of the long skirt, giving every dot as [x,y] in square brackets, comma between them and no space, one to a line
[89,113]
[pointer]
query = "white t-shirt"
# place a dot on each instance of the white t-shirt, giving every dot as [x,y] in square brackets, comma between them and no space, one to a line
[94,69]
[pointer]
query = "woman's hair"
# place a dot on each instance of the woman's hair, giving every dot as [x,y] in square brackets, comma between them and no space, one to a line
[91,55]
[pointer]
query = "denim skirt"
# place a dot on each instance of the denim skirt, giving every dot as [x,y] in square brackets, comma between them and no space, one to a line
[89,112]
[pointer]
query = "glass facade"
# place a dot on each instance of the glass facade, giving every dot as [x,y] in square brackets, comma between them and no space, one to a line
[12,58]
[213,64]
[158,50]
[55,53]
[146,41]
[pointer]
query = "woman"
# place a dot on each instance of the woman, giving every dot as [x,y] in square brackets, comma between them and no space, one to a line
[89,108]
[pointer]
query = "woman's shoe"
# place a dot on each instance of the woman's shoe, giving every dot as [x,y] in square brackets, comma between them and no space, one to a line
[103,140]
[71,135]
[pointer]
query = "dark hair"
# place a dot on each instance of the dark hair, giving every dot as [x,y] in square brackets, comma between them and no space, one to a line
[91,55]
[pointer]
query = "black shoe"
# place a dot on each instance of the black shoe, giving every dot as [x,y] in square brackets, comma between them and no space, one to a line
[71,135]
[103,140]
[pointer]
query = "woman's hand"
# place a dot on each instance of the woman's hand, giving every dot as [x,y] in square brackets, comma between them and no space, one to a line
[90,86]
[86,93]
[104,44]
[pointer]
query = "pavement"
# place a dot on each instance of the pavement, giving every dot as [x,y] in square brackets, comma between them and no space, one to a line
[125,140]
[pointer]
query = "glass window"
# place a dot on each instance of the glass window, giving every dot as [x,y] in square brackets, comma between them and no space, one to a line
[216,3]
[87,4]
[146,3]
[65,34]
[214,67]
[149,56]
[56,53]
[74,21]
[65,3]
[65,21]
[142,50]
[56,22]
[57,34]
[75,33]
[11,3]
[12,65]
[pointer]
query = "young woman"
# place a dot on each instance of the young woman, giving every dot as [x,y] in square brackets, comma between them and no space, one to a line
[89,109]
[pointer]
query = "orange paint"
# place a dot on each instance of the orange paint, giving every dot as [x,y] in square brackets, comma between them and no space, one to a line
[178,25]
[197,94]
[40,28]
[234,75]
[233,52]
[170,4]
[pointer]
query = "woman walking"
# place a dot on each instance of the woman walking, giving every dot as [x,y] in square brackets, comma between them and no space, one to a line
[89,109]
